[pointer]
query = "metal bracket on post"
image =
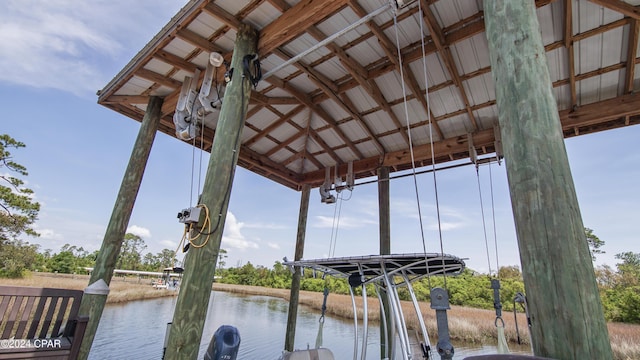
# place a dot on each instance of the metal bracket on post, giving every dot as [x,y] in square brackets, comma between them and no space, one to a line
[440,303]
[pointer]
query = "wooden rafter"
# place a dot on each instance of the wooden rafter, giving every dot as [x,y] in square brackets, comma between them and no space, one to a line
[221,14]
[158,78]
[327,86]
[198,41]
[360,74]
[632,49]
[276,124]
[620,6]
[568,43]
[303,98]
[445,53]
[330,90]
[297,165]
[587,115]
[391,52]
[294,22]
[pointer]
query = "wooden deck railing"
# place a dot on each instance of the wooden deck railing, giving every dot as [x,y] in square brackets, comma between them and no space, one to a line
[40,323]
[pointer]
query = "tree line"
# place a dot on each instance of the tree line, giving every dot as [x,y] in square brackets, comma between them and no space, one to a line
[619,287]
[18,258]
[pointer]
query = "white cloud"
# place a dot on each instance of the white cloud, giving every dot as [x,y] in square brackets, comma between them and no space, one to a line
[265,226]
[344,222]
[450,218]
[232,236]
[273,245]
[139,230]
[49,234]
[445,225]
[168,244]
[71,45]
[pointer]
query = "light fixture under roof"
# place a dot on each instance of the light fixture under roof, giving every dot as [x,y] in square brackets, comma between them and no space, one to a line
[216,59]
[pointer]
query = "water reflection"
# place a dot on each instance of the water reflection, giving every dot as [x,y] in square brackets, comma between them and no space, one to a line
[136,330]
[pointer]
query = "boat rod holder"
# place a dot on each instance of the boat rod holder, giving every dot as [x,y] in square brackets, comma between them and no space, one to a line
[440,303]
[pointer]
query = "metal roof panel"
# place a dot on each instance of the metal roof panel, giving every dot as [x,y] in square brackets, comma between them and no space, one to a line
[454,126]
[205,25]
[179,48]
[135,86]
[263,15]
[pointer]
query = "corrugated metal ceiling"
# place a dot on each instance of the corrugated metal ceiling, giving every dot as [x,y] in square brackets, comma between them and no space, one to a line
[345,101]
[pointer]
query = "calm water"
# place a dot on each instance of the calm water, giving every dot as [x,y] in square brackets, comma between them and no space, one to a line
[136,330]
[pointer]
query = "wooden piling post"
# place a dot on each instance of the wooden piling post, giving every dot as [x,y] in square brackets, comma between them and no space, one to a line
[93,301]
[384,213]
[567,316]
[292,316]
[193,300]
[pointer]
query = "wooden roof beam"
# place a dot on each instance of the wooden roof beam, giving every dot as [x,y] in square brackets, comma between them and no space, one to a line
[330,90]
[221,14]
[568,43]
[602,111]
[260,98]
[418,93]
[632,49]
[360,74]
[175,61]
[621,107]
[294,22]
[304,155]
[276,124]
[198,41]
[127,99]
[301,132]
[158,78]
[620,6]
[438,38]
[281,5]
[391,51]
[324,84]
[288,178]
[303,98]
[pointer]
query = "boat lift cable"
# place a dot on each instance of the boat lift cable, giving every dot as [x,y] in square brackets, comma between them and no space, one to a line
[201,151]
[337,212]
[333,226]
[413,163]
[493,216]
[503,348]
[484,223]
[431,142]
[337,225]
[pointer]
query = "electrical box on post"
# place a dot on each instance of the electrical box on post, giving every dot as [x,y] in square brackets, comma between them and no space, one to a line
[189,216]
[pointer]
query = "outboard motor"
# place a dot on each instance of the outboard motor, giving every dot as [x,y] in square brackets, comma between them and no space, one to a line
[224,344]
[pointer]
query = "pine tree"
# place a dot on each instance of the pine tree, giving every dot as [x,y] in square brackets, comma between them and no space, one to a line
[18,212]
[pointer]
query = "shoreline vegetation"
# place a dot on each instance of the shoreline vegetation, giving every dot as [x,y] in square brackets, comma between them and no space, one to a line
[467,325]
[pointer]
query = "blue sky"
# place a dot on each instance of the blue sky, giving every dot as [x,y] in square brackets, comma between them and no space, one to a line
[55,55]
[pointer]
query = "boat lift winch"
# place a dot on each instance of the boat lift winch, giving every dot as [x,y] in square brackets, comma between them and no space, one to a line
[198,107]
[387,273]
[337,184]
